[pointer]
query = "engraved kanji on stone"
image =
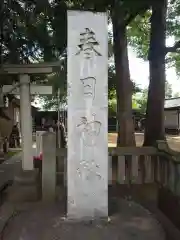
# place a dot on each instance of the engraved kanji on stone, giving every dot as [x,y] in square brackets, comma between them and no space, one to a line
[89,86]
[88,44]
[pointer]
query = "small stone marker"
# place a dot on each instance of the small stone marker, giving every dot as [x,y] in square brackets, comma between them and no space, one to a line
[49,166]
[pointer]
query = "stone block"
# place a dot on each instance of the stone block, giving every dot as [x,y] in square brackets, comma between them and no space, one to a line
[87,164]
[49,166]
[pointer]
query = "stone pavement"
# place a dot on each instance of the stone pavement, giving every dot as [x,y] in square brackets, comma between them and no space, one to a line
[38,221]
[47,222]
[9,168]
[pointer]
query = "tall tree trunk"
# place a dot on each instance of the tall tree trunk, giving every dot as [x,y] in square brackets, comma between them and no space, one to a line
[123,83]
[154,128]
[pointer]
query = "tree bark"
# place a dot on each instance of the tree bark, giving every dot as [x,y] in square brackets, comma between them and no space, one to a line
[123,83]
[154,127]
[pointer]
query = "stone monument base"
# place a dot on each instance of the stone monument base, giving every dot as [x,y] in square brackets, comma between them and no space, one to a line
[45,222]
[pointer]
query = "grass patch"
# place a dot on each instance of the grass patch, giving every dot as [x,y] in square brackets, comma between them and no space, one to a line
[12,153]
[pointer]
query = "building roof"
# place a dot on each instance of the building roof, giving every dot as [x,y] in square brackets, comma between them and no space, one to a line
[172,103]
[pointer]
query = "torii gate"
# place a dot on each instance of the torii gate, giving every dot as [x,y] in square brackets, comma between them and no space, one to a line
[24,71]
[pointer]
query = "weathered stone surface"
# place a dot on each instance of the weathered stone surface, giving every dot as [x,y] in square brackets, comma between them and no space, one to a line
[87,165]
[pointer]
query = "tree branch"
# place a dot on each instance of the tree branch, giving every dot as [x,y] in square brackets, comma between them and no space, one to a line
[174,49]
[140,10]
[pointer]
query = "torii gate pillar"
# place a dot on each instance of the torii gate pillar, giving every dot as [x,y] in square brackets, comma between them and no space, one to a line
[27,175]
[26,122]
[24,71]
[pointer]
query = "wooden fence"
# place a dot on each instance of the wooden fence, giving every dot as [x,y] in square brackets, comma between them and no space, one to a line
[138,165]
[127,165]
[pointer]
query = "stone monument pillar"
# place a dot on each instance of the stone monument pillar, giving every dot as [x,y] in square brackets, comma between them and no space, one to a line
[87,165]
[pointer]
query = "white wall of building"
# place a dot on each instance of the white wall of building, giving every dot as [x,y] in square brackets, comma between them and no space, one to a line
[171,119]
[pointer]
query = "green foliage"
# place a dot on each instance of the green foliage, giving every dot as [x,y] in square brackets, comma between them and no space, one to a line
[139,34]
[176,95]
[37,31]
[19,28]
[112,103]
[168,90]
[140,100]
[32,30]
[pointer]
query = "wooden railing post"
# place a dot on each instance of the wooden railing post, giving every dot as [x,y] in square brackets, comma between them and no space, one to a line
[128,169]
[166,172]
[177,179]
[127,165]
[65,171]
[142,168]
[49,166]
[121,170]
[172,173]
[135,169]
[110,170]
[154,165]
